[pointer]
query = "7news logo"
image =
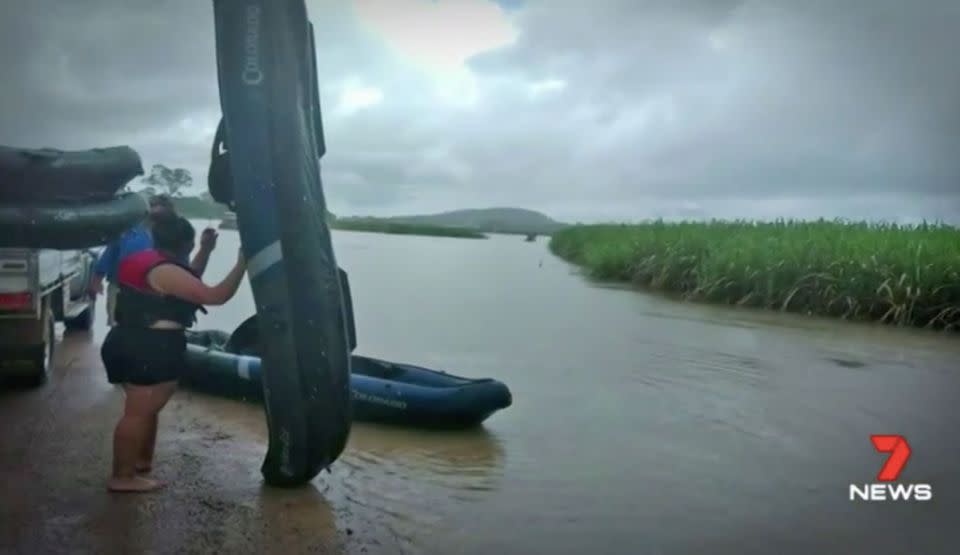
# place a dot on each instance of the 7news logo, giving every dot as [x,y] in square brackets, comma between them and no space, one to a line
[899,451]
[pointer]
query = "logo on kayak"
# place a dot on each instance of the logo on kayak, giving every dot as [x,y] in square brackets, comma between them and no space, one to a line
[899,453]
[379,400]
[252,74]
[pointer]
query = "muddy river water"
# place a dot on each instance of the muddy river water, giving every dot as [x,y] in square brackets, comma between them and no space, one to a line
[639,425]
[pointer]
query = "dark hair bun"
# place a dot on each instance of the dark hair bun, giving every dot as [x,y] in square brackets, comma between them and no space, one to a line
[171,232]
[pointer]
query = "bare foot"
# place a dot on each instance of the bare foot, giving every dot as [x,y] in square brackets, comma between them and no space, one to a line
[136,484]
[143,468]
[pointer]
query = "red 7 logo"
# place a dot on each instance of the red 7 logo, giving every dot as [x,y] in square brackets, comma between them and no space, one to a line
[899,451]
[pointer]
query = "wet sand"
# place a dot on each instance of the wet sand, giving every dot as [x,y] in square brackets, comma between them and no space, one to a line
[55,458]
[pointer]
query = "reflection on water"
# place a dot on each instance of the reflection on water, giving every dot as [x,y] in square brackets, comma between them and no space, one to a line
[413,478]
[465,461]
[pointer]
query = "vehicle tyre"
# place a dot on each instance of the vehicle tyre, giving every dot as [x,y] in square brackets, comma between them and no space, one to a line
[42,357]
[84,320]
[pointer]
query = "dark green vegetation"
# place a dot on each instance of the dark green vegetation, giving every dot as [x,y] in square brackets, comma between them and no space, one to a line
[904,275]
[173,182]
[484,220]
[376,225]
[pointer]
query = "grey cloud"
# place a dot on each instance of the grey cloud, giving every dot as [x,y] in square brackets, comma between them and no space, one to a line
[815,96]
[96,69]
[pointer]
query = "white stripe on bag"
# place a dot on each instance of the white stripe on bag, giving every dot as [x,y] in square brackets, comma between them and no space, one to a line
[263,260]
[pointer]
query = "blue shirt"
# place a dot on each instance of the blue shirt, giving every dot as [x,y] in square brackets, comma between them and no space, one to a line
[134,240]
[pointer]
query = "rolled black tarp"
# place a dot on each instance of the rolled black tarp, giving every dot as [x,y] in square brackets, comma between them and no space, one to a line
[267,79]
[47,175]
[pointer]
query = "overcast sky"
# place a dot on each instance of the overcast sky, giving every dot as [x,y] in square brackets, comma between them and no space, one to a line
[613,109]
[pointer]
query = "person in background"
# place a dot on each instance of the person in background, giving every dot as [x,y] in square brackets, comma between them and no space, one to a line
[138,239]
[145,351]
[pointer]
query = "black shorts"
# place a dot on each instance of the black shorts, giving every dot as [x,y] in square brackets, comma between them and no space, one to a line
[144,356]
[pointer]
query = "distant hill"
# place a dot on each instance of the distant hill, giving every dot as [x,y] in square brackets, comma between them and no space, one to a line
[489,220]
[483,220]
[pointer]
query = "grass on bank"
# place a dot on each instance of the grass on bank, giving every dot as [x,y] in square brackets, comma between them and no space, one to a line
[374,226]
[904,275]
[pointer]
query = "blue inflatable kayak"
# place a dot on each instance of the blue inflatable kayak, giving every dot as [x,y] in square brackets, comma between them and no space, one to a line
[385,392]
[269,173]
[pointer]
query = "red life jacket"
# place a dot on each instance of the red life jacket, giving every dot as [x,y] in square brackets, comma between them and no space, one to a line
[138,304]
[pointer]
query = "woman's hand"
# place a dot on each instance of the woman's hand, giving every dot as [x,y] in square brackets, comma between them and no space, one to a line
[208,239]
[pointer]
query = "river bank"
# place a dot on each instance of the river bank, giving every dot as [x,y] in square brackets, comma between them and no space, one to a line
[902,275]
[394,228]
[229,222]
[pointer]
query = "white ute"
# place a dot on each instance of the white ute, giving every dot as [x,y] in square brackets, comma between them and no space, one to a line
[39,287]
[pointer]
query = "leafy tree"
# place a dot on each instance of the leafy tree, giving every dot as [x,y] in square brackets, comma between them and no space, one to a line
[172,180]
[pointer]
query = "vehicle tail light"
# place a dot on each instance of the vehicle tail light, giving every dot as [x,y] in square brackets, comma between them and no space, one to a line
[16,301]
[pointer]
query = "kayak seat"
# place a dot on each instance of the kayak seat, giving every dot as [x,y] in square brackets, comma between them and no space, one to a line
[38,175]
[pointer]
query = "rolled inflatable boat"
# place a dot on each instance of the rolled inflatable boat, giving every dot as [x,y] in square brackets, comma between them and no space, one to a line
[384,392]
[47,175]
[54,199]
[67,226]
[269,174]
